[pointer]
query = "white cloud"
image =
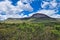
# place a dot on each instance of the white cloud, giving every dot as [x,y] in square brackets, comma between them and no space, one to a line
[27,1]
[10,10]
[56,16]
[52,4]
[50,12]
[17,16]
[24,6]
[44,4]
[3,17]
[47,12]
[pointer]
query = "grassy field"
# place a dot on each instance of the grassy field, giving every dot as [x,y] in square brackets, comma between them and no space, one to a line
[28,30]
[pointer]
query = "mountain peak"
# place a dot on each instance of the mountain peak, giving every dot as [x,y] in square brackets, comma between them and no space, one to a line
[39,15]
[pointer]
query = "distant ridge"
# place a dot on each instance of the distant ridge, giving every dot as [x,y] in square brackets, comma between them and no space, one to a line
[39,15]
[36,16]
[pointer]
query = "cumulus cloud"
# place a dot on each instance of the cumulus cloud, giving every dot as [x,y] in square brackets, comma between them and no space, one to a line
[47,12]
[55,16]
[44,4]
[17,16]
[3,17]
[54,3]
[24,5]
[10,10]
[51,10]
[50,13]
[51,4]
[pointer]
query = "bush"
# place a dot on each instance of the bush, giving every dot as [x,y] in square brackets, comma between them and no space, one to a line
[29,31]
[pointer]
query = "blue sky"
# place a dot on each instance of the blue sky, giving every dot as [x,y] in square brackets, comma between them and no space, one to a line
[26,8]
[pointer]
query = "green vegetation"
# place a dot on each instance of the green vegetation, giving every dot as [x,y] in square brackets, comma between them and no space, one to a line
[30,30]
